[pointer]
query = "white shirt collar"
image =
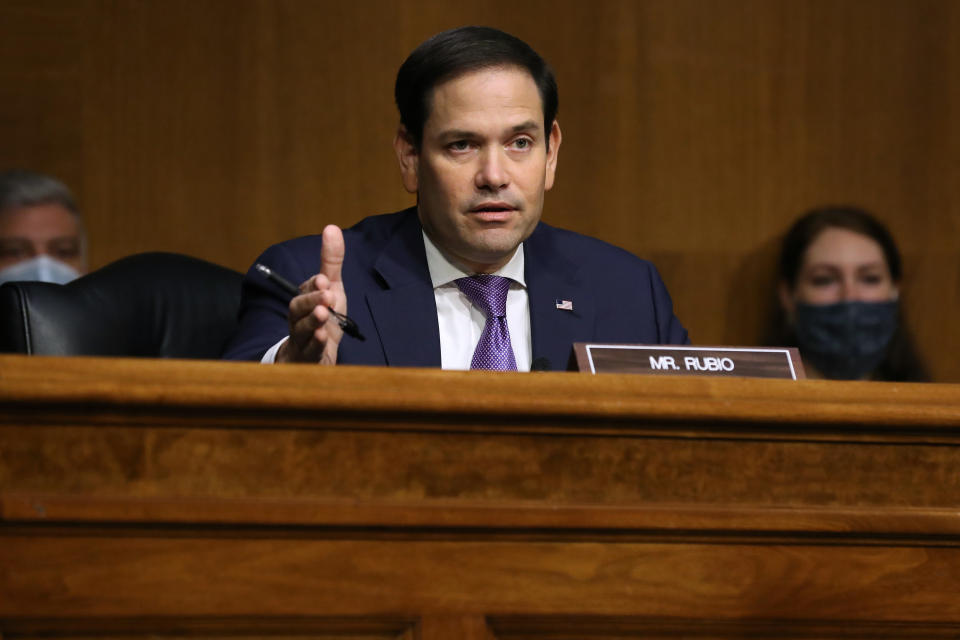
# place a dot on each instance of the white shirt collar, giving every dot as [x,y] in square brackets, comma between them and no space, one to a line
[444,272]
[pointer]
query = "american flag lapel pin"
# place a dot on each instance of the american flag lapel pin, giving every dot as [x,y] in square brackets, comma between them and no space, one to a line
[565,305]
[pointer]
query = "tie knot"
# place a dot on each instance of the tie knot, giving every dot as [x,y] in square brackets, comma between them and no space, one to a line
[487,292]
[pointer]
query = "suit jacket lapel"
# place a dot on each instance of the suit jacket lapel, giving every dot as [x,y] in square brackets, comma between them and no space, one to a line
[552,278]
[405,311]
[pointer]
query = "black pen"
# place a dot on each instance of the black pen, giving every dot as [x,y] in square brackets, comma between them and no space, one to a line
[346,323]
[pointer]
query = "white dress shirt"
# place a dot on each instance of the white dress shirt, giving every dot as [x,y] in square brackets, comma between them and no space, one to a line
[460,322]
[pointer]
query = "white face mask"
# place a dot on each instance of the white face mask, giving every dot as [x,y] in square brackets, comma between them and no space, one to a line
[42,268]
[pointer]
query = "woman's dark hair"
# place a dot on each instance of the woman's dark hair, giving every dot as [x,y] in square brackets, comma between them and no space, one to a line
[458,51]
[806,229]
[902,362]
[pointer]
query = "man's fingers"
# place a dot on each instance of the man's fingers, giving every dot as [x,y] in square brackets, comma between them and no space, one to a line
[312,336]
[331,253]
[309,327]
[317,282]
[304,304]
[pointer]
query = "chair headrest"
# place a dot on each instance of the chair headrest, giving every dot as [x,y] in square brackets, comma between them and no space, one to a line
[149,304]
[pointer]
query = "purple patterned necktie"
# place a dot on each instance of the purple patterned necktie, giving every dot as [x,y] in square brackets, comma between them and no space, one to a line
[489,294]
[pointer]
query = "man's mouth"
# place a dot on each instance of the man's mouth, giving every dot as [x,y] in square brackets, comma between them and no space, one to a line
[493,210]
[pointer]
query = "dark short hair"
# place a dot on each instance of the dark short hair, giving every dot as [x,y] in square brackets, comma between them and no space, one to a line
[806,229]
[21,188]
[458,51]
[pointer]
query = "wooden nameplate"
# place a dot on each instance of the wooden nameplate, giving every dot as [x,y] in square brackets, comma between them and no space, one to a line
[671,360]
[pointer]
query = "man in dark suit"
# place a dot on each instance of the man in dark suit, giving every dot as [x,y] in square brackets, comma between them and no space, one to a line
[470,277]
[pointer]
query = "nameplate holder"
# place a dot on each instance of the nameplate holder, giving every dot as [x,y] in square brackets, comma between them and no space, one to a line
[670,360]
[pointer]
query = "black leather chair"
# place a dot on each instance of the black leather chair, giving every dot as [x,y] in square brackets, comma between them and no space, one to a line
[164,305]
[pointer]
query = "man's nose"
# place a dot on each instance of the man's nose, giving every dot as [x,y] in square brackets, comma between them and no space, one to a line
[492,173]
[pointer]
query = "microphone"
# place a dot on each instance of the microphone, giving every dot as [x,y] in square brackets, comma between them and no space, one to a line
[540,364]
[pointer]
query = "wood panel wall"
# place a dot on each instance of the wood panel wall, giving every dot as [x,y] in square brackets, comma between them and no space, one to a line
[694,130]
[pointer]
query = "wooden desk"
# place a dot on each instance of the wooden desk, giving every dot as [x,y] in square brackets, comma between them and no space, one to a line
[172,499]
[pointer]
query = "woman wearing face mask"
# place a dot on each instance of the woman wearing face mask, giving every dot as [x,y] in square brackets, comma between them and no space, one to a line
[839,279]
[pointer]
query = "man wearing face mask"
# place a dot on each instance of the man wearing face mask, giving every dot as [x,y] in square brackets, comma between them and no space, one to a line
[839,290]
[41,233]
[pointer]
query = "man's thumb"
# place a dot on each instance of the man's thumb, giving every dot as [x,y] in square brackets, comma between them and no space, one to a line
[331,253]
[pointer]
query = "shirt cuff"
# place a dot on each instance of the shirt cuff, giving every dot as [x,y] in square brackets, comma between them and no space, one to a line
[270,356]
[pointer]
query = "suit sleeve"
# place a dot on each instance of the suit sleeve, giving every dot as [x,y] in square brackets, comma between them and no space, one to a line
[669,329]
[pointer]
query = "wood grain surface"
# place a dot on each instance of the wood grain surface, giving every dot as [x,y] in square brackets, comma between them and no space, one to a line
[185,499]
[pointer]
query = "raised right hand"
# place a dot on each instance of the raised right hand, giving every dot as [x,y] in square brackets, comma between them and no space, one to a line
[314,334]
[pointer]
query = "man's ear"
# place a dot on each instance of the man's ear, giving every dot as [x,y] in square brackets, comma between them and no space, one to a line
[408,155]
[551,168]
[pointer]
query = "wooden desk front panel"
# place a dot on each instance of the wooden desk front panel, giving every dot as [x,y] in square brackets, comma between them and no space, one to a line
[190,578]
[170,499]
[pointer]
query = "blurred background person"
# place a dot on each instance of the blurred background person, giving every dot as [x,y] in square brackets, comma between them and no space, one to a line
[41,233]
[839,286]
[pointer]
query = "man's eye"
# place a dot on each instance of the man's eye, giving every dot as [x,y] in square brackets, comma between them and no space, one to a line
[459,145]
[65,249]
[522,143]
[13,252]
[67,253]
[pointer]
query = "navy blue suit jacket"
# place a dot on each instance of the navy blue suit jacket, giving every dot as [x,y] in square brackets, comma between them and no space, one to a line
[616,296]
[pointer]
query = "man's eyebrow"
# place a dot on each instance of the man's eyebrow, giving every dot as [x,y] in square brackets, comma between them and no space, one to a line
[454,134]
[529,125]
[70,238]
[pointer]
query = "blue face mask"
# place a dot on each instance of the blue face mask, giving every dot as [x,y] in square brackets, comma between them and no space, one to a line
[43,268]
[847,340]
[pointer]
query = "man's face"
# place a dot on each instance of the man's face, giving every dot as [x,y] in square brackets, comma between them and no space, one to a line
[44,229]
[482,167]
